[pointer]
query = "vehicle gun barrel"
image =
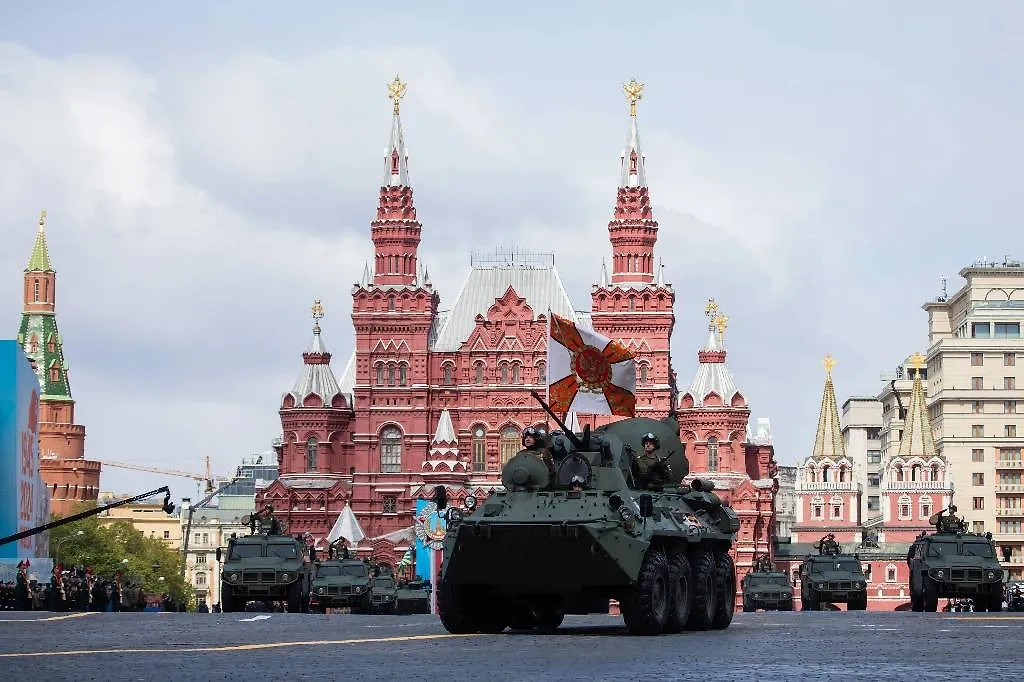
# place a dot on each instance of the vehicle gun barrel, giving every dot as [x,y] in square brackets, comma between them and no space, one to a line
[565,429]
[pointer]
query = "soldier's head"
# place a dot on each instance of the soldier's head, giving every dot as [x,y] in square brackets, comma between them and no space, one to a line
[534,437]
[650,442]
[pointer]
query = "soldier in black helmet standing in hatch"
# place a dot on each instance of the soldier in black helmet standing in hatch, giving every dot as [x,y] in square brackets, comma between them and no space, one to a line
[649,468]
[535,440]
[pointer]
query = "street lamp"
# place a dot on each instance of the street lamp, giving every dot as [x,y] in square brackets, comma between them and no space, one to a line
[63,540]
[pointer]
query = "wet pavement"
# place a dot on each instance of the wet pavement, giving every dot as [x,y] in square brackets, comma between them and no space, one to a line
[258,647]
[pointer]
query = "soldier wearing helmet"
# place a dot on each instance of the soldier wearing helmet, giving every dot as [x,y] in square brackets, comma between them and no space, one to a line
[535,438]
[650,469]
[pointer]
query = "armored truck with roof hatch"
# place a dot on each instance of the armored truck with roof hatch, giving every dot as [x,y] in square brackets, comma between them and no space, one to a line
[413,596]
[952,562]
[584,518]
[766,588]
[264,567]
[340,582]
[383,591]
[832,577]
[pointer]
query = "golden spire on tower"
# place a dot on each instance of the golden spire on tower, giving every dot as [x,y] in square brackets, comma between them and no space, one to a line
[633,90]
[721,322]
[42,220]
[318,314]
[711,309]
[918,361]
[829,362]
[396,91]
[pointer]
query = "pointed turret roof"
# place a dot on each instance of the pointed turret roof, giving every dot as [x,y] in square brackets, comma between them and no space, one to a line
[445,443]
[396,160]
[39,260]
[632,158]
[828,442]
[918,438]
[713,375]
[316,377]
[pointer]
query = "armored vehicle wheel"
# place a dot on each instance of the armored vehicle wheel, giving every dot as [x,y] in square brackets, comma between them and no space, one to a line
[680,591]
[857,603]
[456,610]
[725,586]
[992,603]
[747,606]
[916,600]
[810,603]
[295,599]
[645,609]
[705,606]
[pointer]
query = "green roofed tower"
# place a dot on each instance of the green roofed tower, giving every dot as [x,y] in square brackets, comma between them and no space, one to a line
[70,478]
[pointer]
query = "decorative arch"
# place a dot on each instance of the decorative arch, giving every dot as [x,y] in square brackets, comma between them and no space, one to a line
[926,506]
[478,372]
[642,373]
[738,400]
[712,399]
[478,449]
[390,438]
[542,372]
[288,402]
[509,442]
[311,453]
[817,507]
[686,402]
[903,507]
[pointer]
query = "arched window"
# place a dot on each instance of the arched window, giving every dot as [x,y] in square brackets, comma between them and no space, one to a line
[935,472]
[478,373]
[311,454]
[515,373]
[632,305]
[510,443]
[391,375]
[391,303]
[380,375]
[542,373]
[643,374]
[904,507]
[504,374]
[899,472]
[401,374]
[926,507]
[479,449]
[825,470]
[448,375]
[712,454]
[915,472]
[200,579]
[35,293]
[391,450]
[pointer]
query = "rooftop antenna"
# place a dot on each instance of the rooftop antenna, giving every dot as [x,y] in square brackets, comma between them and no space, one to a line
[945,295]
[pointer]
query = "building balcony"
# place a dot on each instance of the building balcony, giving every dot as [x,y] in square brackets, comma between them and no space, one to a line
[1009,488]
[1010,511]
[1009,464]
[1008,537]
[831,486]
[917,485]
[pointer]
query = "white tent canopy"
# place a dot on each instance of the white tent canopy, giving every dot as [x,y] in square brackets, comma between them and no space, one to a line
[347,526]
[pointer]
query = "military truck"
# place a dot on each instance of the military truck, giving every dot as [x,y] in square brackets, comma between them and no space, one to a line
[265,566]
[832,577]
[766,588]
[340,581]
[582,520]
[953,562]
[383,591]
[413,596]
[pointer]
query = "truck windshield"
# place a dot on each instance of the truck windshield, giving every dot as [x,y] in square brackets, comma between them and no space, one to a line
[351,571]
[982,549]
[771,580]
[282,551]
[245,551]
[941,549]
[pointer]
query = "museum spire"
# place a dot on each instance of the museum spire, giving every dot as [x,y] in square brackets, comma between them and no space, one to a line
[828,441]
[395,230]
[918,438]
[633,230]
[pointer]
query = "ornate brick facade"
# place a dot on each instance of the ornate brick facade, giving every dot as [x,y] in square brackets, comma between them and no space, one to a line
[70,477]
[440,396]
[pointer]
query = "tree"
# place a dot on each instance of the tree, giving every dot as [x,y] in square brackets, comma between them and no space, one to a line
[118,546]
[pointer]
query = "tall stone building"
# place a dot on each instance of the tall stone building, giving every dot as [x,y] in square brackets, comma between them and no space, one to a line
[433,395]
[70,478]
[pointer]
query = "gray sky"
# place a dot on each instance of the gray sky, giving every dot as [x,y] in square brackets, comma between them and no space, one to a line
[815,166]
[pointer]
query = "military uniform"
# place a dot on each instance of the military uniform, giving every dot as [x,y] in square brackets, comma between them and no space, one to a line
[651,471]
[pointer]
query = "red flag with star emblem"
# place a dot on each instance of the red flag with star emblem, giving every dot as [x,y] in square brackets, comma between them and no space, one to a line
[588,372]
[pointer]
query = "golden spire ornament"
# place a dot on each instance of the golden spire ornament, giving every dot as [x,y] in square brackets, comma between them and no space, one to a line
[711,309]
[918,361]
[721,322]
[42,220]
[633,90]
[396,91]
[829,362]
[318,314]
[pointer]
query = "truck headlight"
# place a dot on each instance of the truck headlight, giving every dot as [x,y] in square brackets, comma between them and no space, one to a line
[319,590]
[991,575]
[233,577]
[940,573]
[284,577]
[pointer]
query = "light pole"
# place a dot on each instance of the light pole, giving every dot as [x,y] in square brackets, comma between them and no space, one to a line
[63,540]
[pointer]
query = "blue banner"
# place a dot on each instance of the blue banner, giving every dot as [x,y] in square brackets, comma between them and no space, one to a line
[430,530]
[24,499]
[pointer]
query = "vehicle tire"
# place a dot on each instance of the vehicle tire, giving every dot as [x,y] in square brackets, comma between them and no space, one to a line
[747,607]
[455,608]
[645,610]
[994,601]
[786,605]
[294,599]
[811,603]
[680,598]
[702,615]
[930,599]
[548,616]
[857,604]
[725,584]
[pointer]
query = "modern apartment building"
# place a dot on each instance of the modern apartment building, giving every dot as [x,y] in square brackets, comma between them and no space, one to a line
[862,424]
[974,360]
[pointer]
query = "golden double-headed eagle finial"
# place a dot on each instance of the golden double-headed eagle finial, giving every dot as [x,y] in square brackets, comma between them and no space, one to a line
[829,362]
[721,322]
[318,311]
[42,219]
[917,361]
[633,90]
[396,91]
[711,309]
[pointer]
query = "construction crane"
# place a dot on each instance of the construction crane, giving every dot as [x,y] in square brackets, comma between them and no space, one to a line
[207,477]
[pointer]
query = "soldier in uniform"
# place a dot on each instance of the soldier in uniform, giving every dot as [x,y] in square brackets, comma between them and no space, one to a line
[266,520]
[651,470]
[21,596]
[535,440]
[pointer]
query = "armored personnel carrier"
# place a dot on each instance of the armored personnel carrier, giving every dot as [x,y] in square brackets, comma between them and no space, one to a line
[265,566]
[340,581]
[766,588]
[952,562]
[584,518]
[832,577]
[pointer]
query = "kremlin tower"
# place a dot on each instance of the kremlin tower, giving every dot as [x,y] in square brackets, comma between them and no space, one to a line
[70,478]
[713,420]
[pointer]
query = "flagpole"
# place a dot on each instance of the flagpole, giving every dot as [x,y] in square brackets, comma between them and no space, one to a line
[547,364]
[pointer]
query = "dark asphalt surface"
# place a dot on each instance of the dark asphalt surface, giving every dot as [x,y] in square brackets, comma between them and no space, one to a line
[257,647]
